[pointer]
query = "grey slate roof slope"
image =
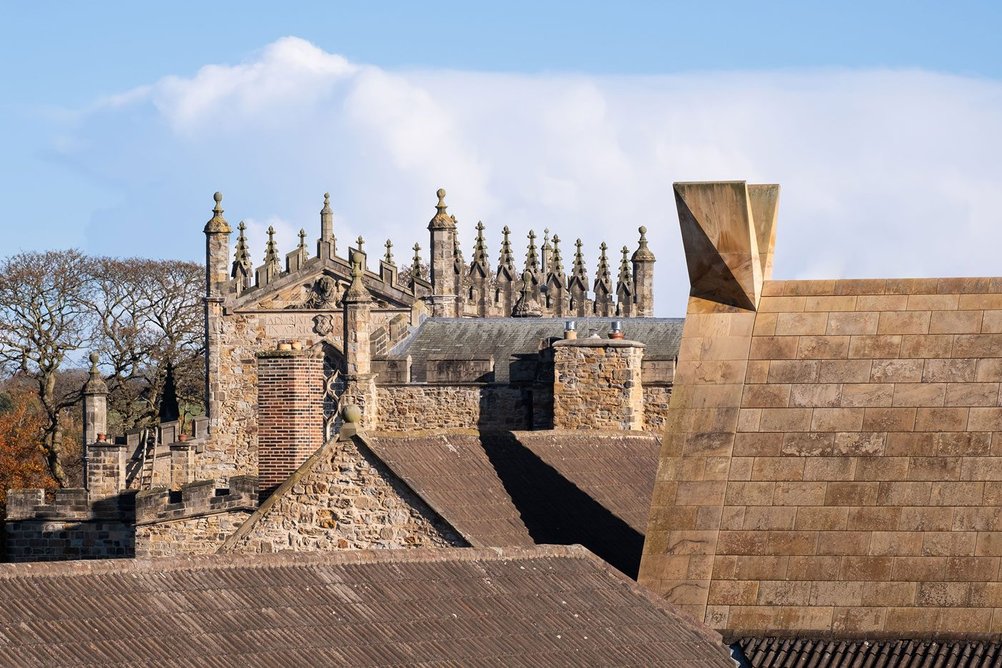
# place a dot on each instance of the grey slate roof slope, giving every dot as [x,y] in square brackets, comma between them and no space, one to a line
[870,653]
[551,606]
[499,488]
[462,338]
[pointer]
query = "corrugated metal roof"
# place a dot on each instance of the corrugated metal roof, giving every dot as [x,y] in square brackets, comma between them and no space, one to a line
[462,338]
[868,653]
[544,606]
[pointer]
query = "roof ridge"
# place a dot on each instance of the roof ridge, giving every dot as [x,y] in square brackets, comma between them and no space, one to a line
[25,570]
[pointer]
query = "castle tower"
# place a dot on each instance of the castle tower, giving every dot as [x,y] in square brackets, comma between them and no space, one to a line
[643,278]
[217,251]
[442,227]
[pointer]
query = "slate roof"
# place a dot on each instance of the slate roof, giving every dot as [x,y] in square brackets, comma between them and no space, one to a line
[799,652]
[519,488]
[546,606]
[460,338]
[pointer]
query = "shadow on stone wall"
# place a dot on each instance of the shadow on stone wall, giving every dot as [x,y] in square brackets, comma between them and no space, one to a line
[555,511]
[49,540]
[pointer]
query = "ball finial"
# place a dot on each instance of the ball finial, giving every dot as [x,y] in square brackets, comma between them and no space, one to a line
[93,358]
[643,229]
[441,193]
[218,196]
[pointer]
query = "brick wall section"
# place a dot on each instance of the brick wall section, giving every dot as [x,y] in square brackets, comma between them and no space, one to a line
[597,384]
[342,499]
[838,469]
[290,413]
[472,406]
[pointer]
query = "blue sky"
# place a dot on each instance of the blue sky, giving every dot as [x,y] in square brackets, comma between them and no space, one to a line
[883,122]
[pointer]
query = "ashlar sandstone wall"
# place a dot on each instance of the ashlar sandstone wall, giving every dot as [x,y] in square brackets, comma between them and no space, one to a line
[833,460]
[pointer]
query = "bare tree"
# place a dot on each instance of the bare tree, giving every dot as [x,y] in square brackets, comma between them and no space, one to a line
[148,317]
[44,318]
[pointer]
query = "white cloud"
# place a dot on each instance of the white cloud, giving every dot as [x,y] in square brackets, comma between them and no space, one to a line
[884,172]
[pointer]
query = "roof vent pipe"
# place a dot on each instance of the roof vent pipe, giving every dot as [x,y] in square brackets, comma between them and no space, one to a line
[570,329]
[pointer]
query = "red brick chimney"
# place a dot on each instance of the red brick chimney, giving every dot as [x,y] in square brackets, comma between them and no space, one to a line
[290,412]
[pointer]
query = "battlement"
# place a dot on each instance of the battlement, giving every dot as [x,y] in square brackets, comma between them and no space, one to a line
[196,499]
[65,505]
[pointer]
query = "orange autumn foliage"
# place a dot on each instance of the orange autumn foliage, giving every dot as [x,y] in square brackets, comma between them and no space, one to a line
[22,460]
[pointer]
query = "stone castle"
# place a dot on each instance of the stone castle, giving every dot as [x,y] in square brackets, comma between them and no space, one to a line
[812,468]
[451,345]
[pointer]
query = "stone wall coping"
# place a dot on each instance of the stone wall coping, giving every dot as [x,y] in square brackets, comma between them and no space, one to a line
[598,343]
[425,384]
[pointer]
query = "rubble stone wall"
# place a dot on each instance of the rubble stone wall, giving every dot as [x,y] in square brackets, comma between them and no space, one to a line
[342,499]
[468,406]
[597,384]
[194,535]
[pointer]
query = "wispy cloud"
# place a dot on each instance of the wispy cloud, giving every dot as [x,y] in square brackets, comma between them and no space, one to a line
[884,173]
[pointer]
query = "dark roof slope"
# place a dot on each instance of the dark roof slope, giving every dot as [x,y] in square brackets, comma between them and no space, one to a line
[885,653]
[519,488]
[545,606]
[502,338]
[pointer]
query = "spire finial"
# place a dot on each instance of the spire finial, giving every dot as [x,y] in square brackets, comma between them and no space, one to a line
[93,364]
[241,259]
[480,250]
[505,260]
[302,238]
[217,224]
[531,259]
[389,252]
[327,202]
[271,248]
[643,253]
[360,242]
[416,262]
[441,220]
[556,260]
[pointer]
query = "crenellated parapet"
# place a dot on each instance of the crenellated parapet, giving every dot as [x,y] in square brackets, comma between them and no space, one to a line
[196,499]
[65,505]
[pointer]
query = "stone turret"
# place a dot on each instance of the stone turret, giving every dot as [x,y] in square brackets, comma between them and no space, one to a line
[327,243]
[104,460]
[217,251]
[442,228]
[643,278]
[361,384]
